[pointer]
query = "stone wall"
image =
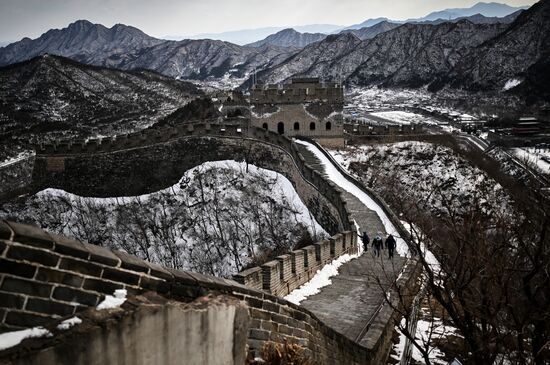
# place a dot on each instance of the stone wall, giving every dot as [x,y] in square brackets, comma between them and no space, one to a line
[15,177]
[45,278]
[146,329]
[374,130]
[300,120]
[297,93]
[153,160]
[287,272]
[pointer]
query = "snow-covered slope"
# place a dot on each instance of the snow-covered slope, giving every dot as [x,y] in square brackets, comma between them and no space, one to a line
[431,175]
[220,217]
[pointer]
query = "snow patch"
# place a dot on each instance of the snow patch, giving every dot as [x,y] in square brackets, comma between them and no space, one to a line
[113,301]
[510,84]
[11,339]
[320,280]
[68,323]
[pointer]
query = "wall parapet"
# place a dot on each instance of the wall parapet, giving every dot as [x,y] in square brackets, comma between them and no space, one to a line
[287,272]
[45,278]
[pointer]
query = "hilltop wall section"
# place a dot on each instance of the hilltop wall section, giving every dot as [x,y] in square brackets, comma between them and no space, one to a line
[157,158]
[45,278]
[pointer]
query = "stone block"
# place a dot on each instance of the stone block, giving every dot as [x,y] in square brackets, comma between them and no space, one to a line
[159,271]
[182,277]
[33,288]
[17,268]
[32,255]
[8,300]
[101,286]
[60,277]
[48,306]
[5,231]
[75,295]
[131,262]
[23,319]
[34,236]
[257,334]
[156,285]
[81,267]
[102,255]
[270,307]
[120,276]
[70,247]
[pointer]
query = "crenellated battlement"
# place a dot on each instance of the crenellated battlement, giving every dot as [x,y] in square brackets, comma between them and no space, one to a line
[301,90]
[287,272]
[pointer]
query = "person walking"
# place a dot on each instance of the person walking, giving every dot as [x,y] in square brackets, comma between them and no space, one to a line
[366,240]
[377,244]
[390,244]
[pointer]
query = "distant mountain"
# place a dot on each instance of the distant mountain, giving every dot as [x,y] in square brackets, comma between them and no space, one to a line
[82,41]
[369,23]
[289,38]
[247,36]
[203,59]
[486,9]
[316,59]
[410,55]
[128,48]
[477,19]
[373,31]
[519,53]
[50,96]
[4,43]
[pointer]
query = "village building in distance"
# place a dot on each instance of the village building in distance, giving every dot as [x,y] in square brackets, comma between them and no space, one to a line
[305,107]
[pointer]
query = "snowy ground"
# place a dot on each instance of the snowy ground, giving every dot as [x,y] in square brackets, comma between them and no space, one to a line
[216,220]
[362,100]
[404,118]
[430,174]
[540,158]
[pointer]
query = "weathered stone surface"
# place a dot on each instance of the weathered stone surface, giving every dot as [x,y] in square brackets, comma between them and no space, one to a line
[146,330]
[32,235]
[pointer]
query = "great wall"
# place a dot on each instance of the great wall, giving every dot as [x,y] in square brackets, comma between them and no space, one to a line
[45,278]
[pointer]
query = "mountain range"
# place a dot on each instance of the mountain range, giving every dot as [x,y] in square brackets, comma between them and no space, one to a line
[451,54]
[477,55]
[248,36]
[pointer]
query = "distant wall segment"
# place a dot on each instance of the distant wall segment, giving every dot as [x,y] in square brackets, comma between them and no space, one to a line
[156,159]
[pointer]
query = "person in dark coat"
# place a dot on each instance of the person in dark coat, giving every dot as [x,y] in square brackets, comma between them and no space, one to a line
[390,244]
[377,245]
[366,240]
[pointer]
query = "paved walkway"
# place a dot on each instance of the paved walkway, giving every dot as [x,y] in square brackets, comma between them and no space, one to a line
[357,292]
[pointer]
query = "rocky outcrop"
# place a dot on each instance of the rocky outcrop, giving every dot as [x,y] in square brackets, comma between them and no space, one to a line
[289,38]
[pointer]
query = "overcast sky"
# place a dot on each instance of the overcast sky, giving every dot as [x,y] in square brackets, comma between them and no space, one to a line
[31,18]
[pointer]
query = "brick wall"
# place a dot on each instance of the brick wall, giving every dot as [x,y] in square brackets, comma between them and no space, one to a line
[287,272]
[45,278]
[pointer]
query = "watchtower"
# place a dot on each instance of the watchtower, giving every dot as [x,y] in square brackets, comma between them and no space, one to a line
[304,107]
